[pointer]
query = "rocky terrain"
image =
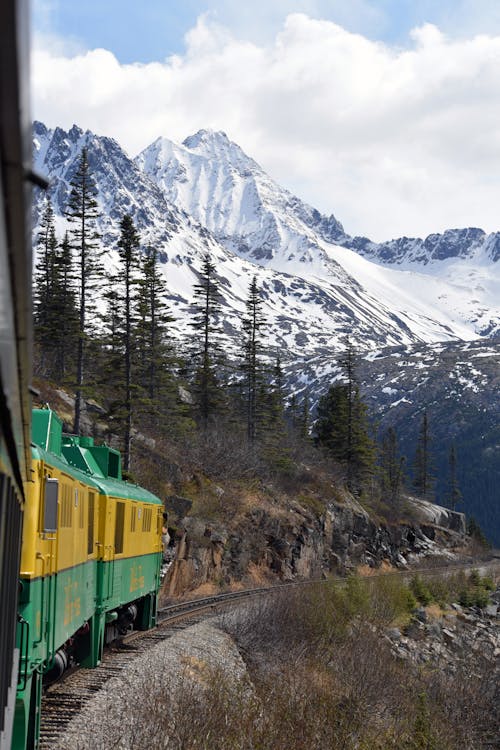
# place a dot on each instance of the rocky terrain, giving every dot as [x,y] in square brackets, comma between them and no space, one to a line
[447,639]
[295,542]
[175,665]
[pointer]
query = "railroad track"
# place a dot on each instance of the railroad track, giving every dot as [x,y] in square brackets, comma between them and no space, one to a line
[63,700]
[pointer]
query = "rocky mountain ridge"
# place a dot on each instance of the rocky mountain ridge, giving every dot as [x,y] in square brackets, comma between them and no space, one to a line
[207,195]
[211,178]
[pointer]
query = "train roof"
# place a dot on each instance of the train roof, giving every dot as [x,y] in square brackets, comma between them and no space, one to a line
[99,466]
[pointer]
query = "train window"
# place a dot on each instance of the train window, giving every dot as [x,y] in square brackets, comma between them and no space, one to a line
[66,507]
[146,520]
[51,500]
[120,517]
[90,537]
[133,516]
[82,510]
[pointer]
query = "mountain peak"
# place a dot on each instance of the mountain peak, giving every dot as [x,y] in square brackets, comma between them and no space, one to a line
[216,146]
[206,136]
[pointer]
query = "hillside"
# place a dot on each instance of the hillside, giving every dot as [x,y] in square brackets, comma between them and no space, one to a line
[459,386]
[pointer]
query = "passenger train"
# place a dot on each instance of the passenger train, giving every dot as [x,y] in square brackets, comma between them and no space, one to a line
[90,562]
[80,549]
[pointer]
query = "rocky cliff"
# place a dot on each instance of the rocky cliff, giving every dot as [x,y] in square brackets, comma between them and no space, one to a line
[298,542]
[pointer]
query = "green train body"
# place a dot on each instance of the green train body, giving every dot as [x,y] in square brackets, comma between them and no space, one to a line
[90,562]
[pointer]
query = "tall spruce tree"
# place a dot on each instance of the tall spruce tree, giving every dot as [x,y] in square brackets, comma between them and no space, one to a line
[155,352]
[272,425]
[391,467]
[46,244]
[342,427]
[305,417]
[45,327]
[65,310]
[82,213]
[126,280]
[347,362]
[206,308]
[55,320]
[453,495]
[423,480]
[253,323]
[299,415]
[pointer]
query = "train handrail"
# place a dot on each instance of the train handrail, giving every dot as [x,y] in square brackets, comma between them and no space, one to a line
[37,641]
[23,671]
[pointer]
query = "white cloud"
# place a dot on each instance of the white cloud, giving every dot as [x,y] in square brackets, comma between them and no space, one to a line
[392,141]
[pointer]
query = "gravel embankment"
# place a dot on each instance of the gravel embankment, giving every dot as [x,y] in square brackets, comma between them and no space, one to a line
[124,713]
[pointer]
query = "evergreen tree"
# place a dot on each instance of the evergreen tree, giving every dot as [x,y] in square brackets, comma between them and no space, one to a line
[128,252]
[299,415]
[55,301]
[82,214]
[342,426]
[475,531]
[454,495]
[65,310]
[272,426]
[391,467]
[156,356]
[423,481]
[45,246]
[45,326]
[304,422]
[206,351]
[253,323]
[347,362]
[293,411]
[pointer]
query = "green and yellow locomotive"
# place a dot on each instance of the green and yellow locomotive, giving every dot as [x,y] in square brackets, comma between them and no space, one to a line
[90,562]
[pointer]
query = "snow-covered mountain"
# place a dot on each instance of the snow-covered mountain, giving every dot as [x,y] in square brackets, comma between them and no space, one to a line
[451,279]
[318,284]
[426,313]
[207,196]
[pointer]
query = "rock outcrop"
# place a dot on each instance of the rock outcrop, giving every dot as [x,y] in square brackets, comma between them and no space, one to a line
[297,542]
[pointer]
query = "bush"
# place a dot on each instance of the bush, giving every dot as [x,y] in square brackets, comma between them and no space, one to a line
[421,590]
[391,599]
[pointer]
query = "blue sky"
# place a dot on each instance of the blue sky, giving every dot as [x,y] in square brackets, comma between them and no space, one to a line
[383,112]
[154,29]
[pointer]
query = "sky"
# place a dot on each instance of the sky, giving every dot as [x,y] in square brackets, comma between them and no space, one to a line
[385,113]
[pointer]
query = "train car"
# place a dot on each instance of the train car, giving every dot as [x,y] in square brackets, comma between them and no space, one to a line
[90,562]
[15,329]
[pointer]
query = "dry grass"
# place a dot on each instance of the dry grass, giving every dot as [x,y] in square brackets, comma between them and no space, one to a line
[320,676]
